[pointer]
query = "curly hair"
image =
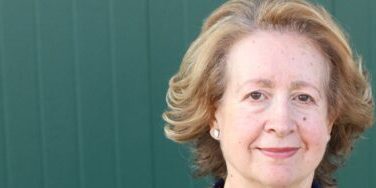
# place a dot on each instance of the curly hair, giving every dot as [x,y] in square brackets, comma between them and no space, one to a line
[196,88]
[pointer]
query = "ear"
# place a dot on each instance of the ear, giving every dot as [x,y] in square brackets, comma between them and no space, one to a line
[217,118]
[330,127]
[215,126]
[331,124]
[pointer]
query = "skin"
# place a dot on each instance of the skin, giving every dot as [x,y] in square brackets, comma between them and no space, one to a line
[273,118]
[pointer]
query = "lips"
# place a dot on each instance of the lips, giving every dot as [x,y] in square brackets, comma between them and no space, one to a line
[279,152]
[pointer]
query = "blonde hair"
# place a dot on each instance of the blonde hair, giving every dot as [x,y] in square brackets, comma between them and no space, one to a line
[199,84]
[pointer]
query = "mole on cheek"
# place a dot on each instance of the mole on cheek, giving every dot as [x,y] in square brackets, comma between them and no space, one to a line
[304,118]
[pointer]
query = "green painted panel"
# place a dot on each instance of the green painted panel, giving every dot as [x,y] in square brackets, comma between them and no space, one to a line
[3,127]
[196,13]
[57,92]
[95,94]
[166,33]
[3,141]
[354,18]
[132,93]
[20,94]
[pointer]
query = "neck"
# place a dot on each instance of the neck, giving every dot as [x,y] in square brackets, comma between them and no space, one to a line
[233,181]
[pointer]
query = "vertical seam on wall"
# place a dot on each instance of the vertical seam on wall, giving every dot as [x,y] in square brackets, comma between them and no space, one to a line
[185,25]
[368,24]
[372,181]
[2,78]
[40,95]
[112,47]
[367,54]
[373,37]
[333,7]
[148,59]
[78,95]
[370,28]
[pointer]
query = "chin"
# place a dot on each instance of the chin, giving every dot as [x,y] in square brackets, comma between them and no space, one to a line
[279,179]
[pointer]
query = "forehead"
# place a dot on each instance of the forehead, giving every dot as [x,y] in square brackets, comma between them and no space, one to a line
[277,56]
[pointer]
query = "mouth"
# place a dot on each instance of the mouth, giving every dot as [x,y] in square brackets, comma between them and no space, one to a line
[278,152]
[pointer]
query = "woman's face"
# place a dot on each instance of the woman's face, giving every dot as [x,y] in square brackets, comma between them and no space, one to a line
[273,118]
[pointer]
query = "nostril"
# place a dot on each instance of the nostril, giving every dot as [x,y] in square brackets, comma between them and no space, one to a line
[280,129]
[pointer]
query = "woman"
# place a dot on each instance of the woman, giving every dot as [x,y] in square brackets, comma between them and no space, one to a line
[269,95]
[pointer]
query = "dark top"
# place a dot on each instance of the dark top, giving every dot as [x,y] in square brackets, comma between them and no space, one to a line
[221,183]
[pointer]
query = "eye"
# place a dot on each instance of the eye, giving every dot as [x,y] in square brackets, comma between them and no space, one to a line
[304,98]
[256,96]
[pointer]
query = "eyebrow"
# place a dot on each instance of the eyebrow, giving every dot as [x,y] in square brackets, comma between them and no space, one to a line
[266,83]
[302,84]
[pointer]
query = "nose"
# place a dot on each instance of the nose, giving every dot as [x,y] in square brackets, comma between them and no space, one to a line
[280,119]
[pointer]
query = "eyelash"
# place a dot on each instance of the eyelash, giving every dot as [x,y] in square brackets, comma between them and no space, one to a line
[253,93]
[310,99]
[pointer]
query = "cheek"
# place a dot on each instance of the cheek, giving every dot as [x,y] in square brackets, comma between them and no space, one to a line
[239,133]
[242,129]
[314,132]
[314,125]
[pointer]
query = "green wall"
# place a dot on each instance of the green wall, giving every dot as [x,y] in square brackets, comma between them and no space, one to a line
[82,89]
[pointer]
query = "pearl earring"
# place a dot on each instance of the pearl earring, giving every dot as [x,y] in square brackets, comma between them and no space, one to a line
[215,133]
